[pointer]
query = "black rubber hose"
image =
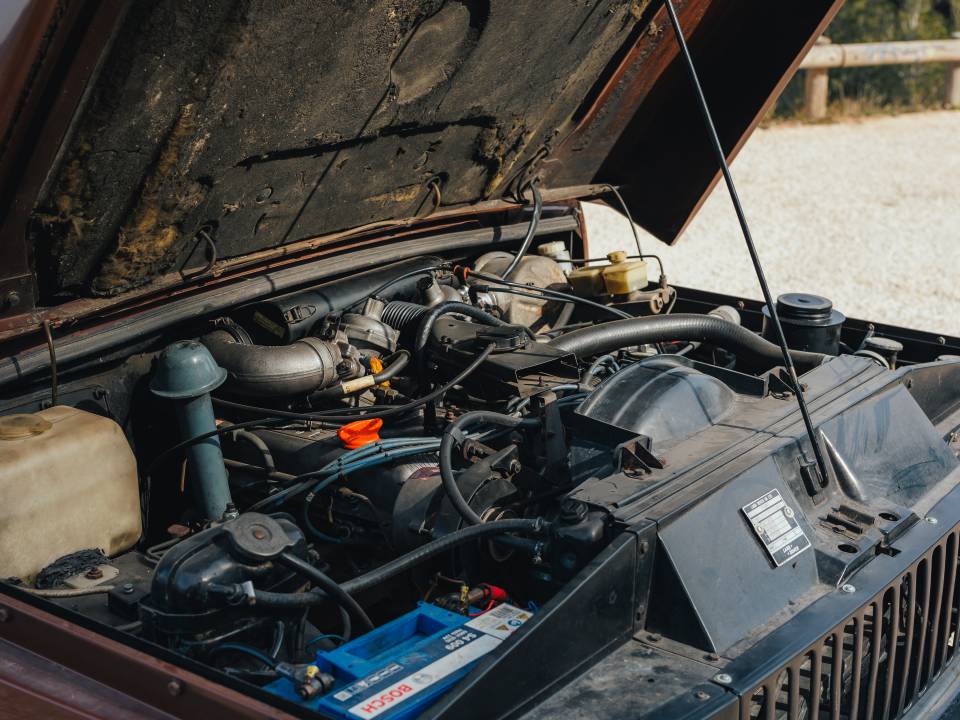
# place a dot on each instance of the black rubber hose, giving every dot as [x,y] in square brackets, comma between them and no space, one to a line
[618,334]
[452,436]
[439,546]
[327,585]
[531,232]
[395,364]
[431,317]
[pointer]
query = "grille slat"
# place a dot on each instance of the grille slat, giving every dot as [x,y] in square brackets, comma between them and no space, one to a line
[836,675]
[921,620]
[936,586]
[816,682]
[948,608]
[893,633]
[857,671]
[876,642]
[908,641]
[874,664]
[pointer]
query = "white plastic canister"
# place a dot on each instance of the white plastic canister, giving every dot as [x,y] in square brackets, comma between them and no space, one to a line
[68,482]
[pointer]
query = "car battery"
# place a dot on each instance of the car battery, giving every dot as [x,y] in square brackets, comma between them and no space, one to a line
[399,669]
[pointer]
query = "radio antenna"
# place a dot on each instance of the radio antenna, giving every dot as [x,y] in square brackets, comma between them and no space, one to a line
[745,228]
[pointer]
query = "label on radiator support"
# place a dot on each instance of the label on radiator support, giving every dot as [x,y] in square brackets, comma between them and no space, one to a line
[776,525]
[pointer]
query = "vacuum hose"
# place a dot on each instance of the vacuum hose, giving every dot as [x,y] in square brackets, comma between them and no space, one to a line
[453,435]
[439,546]
[617,334]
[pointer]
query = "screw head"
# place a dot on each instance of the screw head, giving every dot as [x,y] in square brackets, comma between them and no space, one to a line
[701,695]
[712,657]
[94,573]
[127,588]
[931,520]
[848,588]
[174,687]
[723,678]
[653,637]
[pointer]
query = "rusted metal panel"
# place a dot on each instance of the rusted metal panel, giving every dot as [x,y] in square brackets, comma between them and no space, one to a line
[67,39]
[643,130]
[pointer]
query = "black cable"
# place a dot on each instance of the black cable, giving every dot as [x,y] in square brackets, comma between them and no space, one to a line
[393,366]
[587,261]
[439,546]
[742,218]
[379,411]
[453,435]
[245,650]
[204,436]
[513,289]
[425,326]
[633,227]
[531,231]
[404,276]
[327,585]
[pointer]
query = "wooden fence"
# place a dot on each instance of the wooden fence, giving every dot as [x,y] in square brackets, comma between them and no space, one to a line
[823,56]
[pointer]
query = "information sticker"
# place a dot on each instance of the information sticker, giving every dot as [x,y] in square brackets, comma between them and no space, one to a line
[776,525]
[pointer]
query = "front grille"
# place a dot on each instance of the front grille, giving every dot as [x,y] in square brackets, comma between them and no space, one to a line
[873,665]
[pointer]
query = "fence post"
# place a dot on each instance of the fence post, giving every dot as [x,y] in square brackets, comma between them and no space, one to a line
[951,96]
[816,88]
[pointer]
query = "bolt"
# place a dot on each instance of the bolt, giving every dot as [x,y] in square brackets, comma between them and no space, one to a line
[930,519]
[701,695]
[94,573]
[712,657]
[127,588]
[942,340]
[848,588]
[4,614]
[174,687]
[11,300]
[653,637]
[722,678]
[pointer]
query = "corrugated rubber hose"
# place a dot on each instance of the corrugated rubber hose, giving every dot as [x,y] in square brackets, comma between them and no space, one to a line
[618,334]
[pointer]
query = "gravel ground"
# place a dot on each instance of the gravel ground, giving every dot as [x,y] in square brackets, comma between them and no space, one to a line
[864,212]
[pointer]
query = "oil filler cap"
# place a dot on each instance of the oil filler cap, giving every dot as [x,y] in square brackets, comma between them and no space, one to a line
[257,537]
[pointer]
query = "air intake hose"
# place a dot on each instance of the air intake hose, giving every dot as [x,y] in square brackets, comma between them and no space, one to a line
[299,368]
[617,334]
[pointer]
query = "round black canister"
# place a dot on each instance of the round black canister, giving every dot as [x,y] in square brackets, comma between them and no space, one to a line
[809,323]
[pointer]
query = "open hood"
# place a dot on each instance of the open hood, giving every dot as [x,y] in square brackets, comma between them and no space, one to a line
[252,125]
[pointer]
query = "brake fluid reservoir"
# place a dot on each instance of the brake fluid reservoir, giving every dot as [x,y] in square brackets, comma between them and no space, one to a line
[68,482]
[622,277]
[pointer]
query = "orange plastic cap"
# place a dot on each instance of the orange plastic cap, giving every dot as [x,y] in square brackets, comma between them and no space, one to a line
[360,433]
